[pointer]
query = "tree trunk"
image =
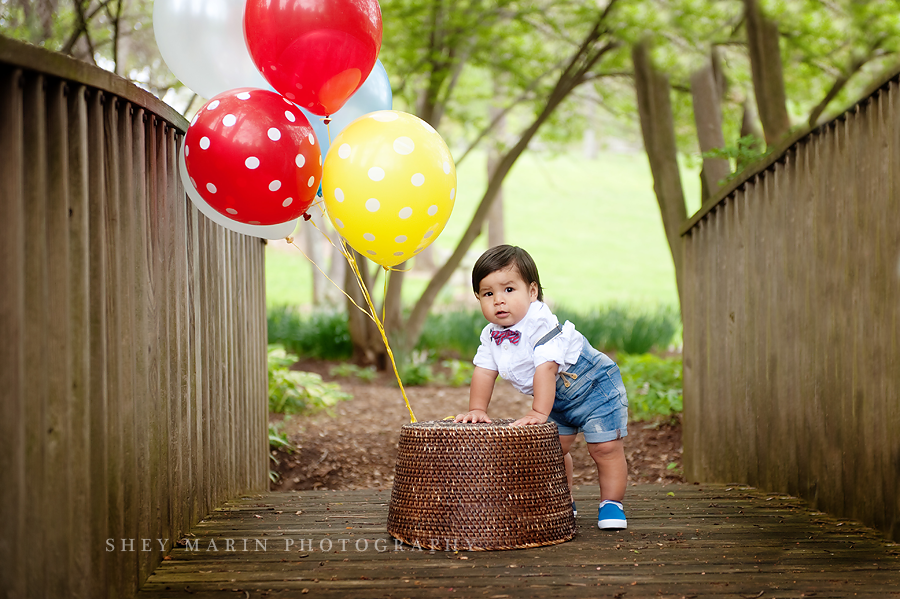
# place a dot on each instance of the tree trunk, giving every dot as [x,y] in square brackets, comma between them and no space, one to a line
[766,68]
[658,129]
[708,119]
[368,347]
[393,305]
[749,126]
[495,152]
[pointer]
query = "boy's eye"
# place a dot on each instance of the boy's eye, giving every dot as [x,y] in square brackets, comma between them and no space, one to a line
[487,294]
[509,290]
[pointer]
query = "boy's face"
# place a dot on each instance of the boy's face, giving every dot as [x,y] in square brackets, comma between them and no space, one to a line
[505,297]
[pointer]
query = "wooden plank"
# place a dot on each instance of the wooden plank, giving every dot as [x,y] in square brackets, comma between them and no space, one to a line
[699,540]
[868,490]
[230,394]
[229,321]
[160,276]
[36,295]
[115,473]
[79,327]
[181,360]
[692,368]
[170,441]
[144,393]
[260,368]
[98,392]
[892,319]
[195,331]
[13,464]
[205,323]
[222,458]
[57,506]
[129,340]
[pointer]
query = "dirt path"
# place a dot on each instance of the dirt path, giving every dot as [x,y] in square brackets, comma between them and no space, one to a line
[355,447]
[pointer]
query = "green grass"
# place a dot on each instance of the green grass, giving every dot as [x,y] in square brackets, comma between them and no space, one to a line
[288,278]
[592,226]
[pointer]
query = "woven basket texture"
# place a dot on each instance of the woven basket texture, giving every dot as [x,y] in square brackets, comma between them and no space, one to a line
[480,487]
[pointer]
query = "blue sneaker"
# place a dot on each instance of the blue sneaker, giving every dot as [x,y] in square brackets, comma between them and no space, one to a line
[574,509]
[611,516]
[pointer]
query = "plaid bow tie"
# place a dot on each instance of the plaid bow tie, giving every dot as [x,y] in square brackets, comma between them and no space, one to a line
[499,336]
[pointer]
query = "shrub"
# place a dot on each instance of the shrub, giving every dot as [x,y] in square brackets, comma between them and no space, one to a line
[630,329]
[322,334]
[459,373]
[653,384]
[455,332]
[278,439]
[416,368]
[295,392]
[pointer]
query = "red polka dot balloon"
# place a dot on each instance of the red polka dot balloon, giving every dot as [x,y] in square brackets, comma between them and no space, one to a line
[253,156]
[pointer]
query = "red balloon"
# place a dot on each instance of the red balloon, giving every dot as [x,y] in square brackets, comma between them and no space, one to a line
[315,53]
[253,156]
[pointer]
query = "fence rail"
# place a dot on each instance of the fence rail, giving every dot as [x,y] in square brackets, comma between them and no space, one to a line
[132,336]
[792,321]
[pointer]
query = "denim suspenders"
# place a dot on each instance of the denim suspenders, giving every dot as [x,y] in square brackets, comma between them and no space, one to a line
[553,333]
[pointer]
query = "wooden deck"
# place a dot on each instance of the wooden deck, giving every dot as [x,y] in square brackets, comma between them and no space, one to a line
[682,541]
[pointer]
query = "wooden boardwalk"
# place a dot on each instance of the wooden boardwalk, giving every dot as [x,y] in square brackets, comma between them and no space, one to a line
[682,541]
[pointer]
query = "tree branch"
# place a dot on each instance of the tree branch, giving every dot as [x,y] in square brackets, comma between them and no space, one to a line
[499,116]
[578,66]
[82,27]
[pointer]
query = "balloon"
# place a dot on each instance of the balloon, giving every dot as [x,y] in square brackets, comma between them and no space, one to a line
[389,185]
[279,231]
[375,94]
[202,42]
[315,53]
[253,157]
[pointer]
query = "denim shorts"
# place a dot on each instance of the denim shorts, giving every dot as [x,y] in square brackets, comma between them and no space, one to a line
[591,398]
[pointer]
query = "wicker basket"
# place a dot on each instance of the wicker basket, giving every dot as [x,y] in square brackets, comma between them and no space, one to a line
[480,487]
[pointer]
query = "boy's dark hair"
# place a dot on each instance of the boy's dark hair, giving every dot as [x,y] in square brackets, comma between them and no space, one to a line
[501,257]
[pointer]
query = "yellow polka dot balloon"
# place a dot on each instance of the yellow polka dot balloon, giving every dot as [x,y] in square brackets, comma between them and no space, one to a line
[389,185]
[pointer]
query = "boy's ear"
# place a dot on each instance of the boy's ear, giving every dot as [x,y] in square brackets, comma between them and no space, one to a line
[533,291]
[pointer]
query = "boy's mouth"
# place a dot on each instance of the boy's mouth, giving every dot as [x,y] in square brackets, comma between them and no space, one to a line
[501,314]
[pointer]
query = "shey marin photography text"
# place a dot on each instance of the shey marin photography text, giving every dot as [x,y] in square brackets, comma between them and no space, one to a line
[308,545]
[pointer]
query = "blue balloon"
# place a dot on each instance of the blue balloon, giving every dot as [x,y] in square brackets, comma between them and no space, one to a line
[374,94]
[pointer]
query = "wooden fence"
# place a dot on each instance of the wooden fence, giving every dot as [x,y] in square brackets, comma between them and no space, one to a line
[792,321]
[132,336]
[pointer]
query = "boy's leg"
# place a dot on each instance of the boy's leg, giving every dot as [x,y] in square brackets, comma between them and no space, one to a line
[566,442]
[612,469]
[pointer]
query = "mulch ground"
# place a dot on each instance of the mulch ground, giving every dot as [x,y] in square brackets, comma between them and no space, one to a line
[354,445]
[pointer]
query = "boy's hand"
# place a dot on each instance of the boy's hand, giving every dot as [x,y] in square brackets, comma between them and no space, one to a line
[532,417]
[473,416]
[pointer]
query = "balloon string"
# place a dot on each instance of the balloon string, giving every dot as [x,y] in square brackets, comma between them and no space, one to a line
[290,240]
[384,303]
[372,312]
[374,315]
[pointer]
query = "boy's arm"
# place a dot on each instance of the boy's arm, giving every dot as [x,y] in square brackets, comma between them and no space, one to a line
[479,395]
[544,395]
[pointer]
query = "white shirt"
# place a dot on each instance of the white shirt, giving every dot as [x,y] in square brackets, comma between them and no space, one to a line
[517,362]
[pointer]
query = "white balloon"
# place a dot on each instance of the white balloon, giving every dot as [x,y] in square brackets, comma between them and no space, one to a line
[202,42]
[279,231]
